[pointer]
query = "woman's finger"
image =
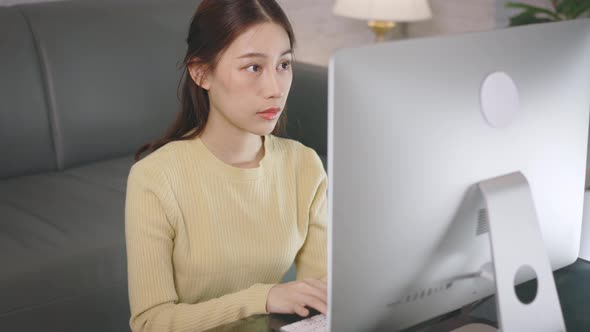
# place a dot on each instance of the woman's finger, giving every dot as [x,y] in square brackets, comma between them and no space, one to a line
[301,310]
[316,303]
[309,289]
[317,284]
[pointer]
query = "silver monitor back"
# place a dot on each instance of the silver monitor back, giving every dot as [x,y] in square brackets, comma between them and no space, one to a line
[407,140]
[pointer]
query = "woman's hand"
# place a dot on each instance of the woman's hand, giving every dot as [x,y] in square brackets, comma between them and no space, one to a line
[293,297]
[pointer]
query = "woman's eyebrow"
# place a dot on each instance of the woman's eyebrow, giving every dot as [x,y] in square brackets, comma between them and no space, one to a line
[261,55]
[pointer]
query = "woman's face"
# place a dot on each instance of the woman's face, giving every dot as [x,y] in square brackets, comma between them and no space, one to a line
[253,75]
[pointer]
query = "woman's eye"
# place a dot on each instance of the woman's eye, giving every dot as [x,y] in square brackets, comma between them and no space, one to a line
[285,65]
[253,68]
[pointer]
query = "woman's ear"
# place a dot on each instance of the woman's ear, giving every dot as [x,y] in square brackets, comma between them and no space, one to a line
[199,75]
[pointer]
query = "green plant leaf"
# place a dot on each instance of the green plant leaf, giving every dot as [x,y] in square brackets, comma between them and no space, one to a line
[527,18]
[534,10]
[581,9]
[573,8]
[567,7]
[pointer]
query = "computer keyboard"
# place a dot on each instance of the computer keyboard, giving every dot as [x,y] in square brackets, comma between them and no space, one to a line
[317,323]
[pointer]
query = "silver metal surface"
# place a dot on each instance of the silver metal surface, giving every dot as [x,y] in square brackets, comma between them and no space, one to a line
[407,144]
[513,220]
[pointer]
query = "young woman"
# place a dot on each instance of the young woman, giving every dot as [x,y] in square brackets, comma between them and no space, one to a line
[221,207]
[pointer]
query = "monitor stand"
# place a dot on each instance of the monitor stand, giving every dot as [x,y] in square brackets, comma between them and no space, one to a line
[516,241]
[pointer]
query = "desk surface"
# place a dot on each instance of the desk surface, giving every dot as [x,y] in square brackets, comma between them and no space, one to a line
[259,323]
[573,287]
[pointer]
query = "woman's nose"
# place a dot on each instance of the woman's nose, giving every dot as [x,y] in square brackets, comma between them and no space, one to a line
[272,86]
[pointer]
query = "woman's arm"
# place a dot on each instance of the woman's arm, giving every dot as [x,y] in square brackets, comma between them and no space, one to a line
[150,213]
[311,260]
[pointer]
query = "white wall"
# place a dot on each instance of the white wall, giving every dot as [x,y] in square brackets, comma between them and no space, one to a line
[319,32]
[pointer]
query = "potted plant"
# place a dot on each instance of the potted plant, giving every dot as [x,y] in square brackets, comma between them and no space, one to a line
[559,10]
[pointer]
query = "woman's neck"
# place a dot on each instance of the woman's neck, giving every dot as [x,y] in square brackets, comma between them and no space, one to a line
[234,147]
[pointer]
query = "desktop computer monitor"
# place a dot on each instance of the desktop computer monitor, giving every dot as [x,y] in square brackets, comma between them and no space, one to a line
[417,130]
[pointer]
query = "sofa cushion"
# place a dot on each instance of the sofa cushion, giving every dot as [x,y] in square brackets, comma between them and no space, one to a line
[307,107]
[111,173]
[106,310]
[61,235]
[24,125]
[324,160]
[113,81]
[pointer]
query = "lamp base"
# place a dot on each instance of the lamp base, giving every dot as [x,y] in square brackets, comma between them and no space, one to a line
[381,28]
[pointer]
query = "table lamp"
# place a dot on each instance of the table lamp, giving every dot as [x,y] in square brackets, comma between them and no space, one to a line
[382,14]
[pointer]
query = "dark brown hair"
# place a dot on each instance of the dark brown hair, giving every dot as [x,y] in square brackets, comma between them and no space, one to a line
[214,26]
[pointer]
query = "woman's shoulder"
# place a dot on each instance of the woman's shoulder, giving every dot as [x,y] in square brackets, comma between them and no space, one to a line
[297,152]
[290,147]
[156,163]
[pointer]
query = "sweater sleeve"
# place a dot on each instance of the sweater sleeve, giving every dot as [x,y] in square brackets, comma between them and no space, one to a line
[150,212]
[311,260]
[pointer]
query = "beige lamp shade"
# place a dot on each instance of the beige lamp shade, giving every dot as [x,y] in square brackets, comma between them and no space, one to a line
[384,10]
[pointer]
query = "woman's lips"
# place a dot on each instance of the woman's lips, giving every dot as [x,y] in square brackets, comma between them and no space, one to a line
[269,114]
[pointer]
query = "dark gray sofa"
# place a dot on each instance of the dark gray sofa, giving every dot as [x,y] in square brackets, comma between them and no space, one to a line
[83,84]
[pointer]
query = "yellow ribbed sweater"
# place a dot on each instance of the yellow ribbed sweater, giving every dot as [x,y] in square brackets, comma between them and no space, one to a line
[206,241]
